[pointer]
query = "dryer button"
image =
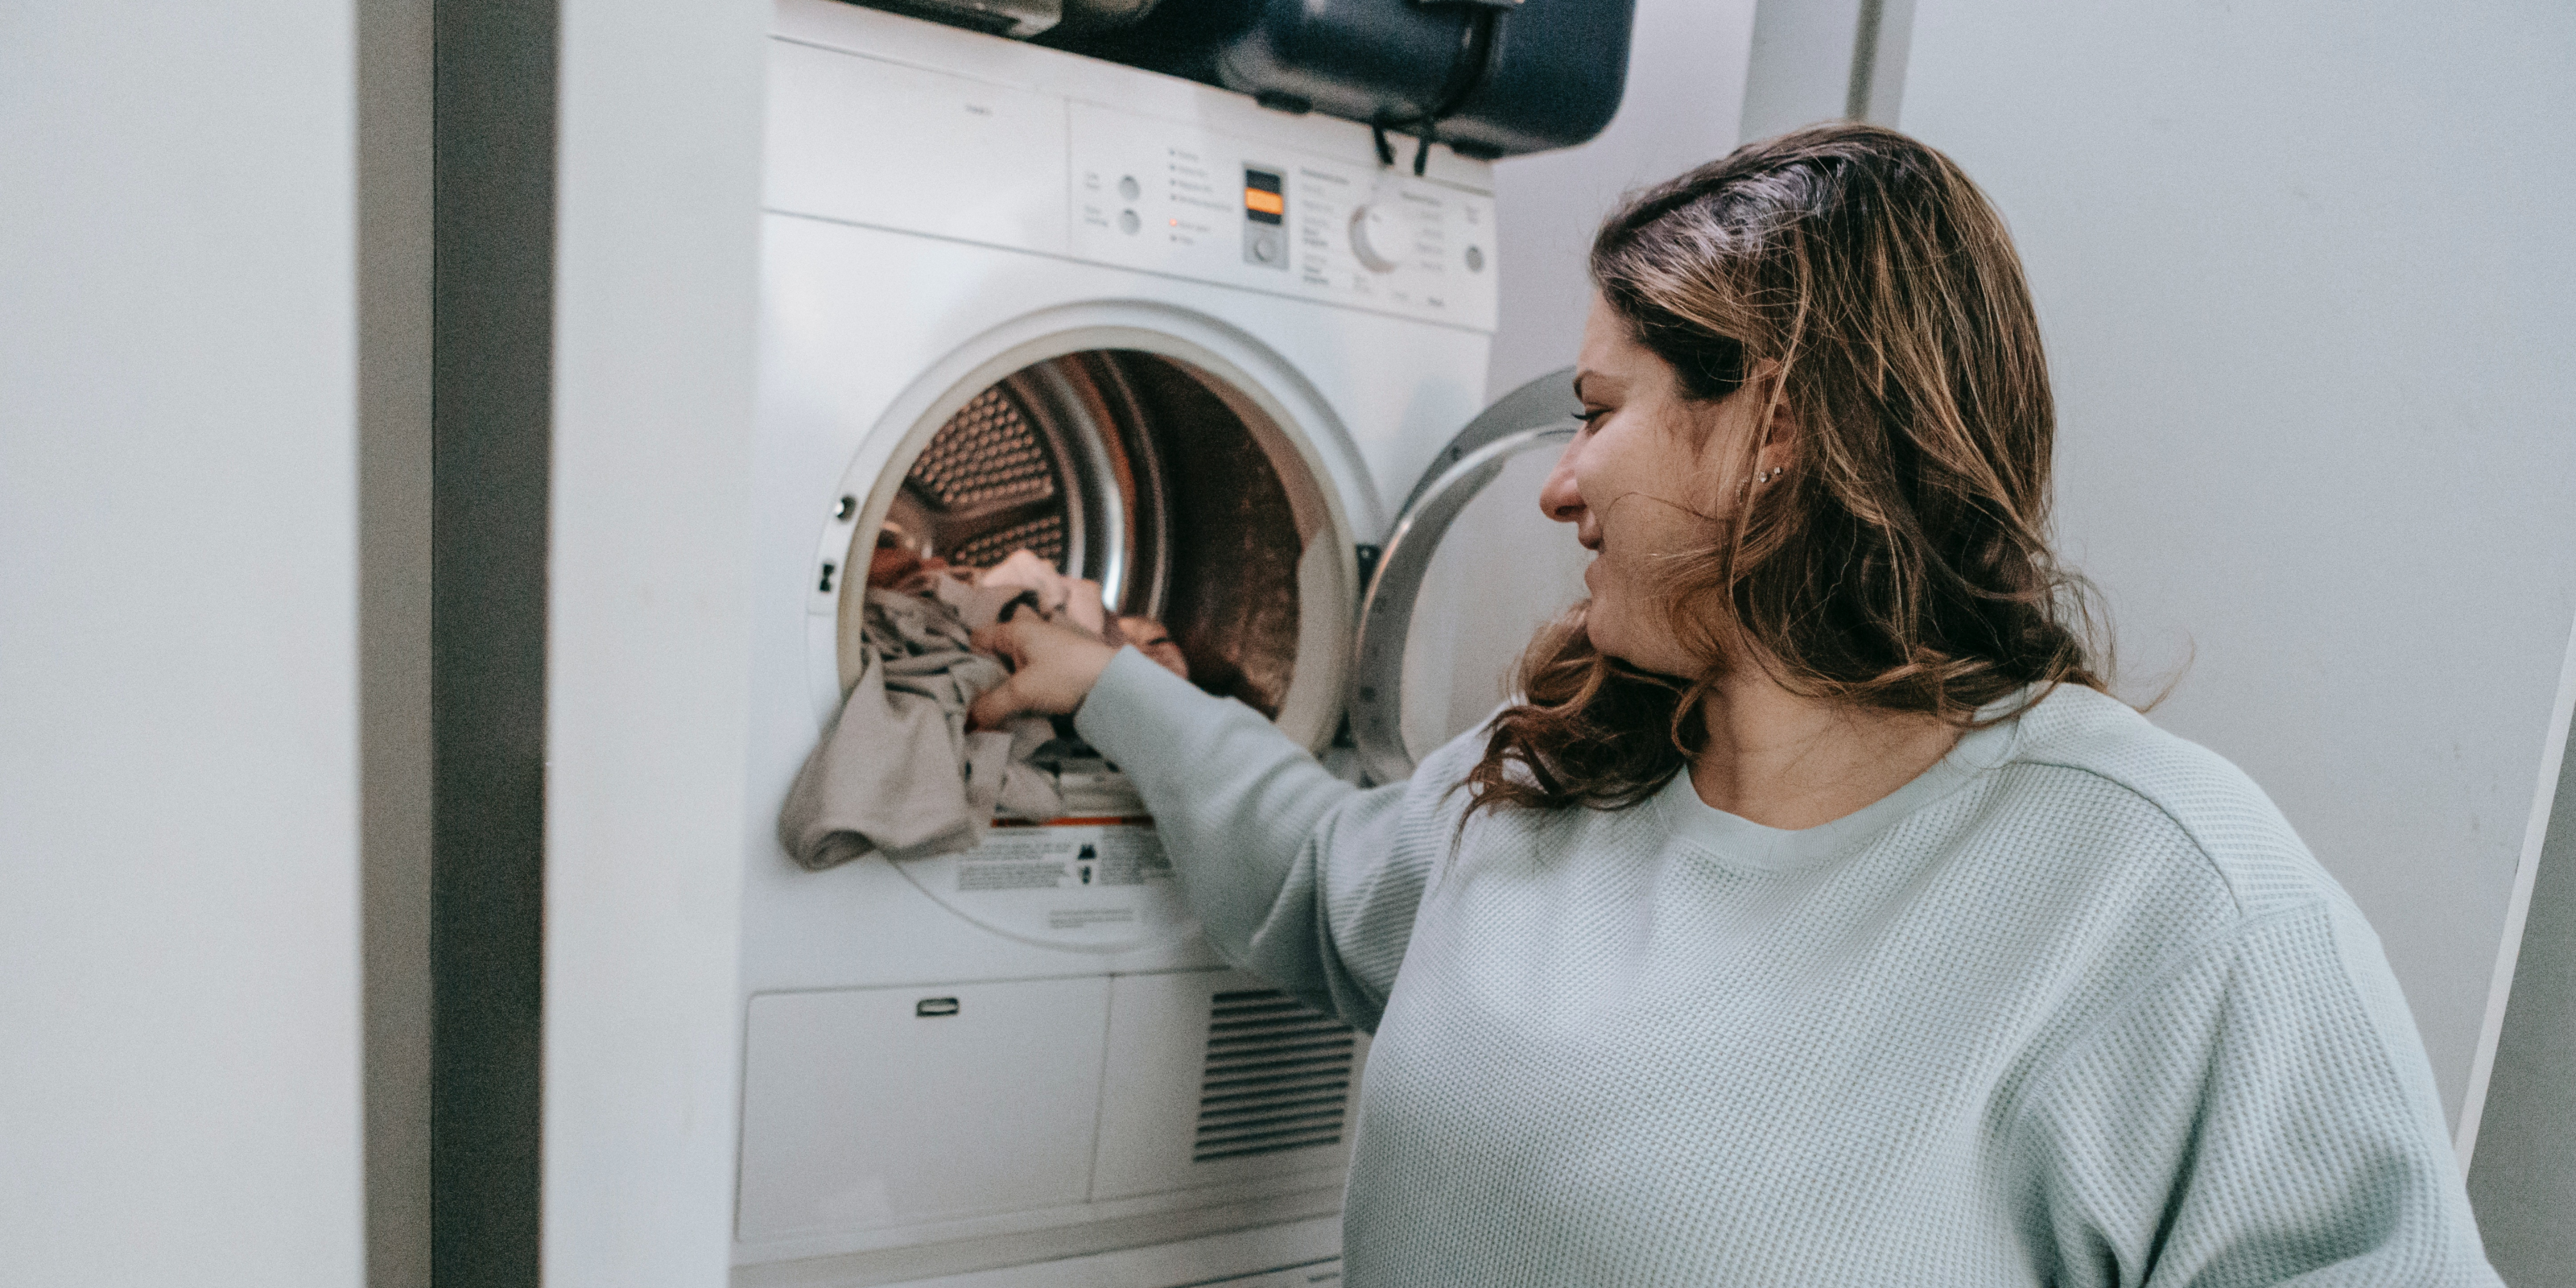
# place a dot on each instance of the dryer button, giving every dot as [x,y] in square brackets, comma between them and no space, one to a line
[1263,245]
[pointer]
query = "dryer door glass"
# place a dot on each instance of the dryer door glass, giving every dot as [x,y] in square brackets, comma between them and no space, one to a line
[1470,572]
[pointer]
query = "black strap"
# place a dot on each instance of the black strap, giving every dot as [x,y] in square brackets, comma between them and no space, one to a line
[1467,73]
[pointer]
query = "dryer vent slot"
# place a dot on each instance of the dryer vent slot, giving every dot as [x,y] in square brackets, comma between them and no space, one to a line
[1277,1077]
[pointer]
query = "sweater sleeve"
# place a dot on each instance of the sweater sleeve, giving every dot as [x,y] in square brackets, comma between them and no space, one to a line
[1298,877]
[2259,1113]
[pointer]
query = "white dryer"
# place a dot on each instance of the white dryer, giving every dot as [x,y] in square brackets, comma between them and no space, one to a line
[1205,353]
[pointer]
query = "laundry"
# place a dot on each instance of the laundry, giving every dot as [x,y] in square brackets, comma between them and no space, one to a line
[1075,597]
[898,772]
[898,567]
[979,596]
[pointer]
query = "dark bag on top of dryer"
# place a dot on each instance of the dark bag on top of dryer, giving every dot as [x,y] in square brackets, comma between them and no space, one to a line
[1489,78]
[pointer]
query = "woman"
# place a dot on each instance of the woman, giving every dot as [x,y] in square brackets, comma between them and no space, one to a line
[1813,917]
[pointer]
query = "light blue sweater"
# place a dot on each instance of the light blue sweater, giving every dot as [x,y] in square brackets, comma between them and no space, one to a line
[2074,1007]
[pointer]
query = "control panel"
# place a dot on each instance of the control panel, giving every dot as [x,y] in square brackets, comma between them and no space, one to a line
[881,144]
[1162,196]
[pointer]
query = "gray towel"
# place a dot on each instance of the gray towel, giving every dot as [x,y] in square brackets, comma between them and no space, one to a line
[897,772]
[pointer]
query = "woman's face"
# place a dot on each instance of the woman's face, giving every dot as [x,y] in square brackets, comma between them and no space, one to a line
[1646,479]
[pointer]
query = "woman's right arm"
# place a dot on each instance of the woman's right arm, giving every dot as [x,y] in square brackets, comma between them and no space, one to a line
[1298,876]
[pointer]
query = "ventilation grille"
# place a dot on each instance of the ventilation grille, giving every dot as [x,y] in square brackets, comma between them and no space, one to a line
[987,454]
[1278,1077]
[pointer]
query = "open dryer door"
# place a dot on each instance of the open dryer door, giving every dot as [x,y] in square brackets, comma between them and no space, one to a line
[1470,571]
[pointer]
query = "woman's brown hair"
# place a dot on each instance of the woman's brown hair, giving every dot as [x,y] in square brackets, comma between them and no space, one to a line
[1857,280]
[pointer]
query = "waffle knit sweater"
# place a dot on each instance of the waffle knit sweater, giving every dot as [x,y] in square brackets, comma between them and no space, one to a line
[2074,1007]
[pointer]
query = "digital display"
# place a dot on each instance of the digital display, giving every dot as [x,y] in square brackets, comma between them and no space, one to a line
[1263,202]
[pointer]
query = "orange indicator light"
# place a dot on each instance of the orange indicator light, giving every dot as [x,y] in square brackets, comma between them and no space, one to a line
[1268,203]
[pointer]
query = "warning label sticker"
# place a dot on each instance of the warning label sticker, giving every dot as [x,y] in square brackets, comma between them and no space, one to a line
[1101,883]
[1054,858]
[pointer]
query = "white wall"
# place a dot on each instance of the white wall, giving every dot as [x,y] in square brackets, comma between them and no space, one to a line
[657,219]
[2306,279]
[179,1075]
[1686,69]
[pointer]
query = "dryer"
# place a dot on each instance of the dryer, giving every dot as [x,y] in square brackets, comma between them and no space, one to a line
[1225,361]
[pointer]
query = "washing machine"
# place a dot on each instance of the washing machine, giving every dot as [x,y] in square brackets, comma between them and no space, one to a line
[1227,363]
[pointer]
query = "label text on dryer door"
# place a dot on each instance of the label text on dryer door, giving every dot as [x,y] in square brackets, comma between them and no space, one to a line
[1064,859]
[1093,881]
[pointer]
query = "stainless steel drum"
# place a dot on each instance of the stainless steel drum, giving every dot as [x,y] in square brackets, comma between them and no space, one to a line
[1053,460]
[1138,471]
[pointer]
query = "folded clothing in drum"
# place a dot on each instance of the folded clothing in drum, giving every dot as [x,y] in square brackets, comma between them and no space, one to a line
[1488,77]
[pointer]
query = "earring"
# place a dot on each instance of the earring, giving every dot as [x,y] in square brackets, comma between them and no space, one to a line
[1770,474]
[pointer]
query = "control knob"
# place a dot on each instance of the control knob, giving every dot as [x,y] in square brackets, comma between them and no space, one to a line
[1375,239]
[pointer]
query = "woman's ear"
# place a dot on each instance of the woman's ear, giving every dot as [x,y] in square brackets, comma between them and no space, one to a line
[1778,424]
[1780,429]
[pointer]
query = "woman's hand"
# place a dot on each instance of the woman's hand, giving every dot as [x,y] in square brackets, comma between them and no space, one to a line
[1053,666]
